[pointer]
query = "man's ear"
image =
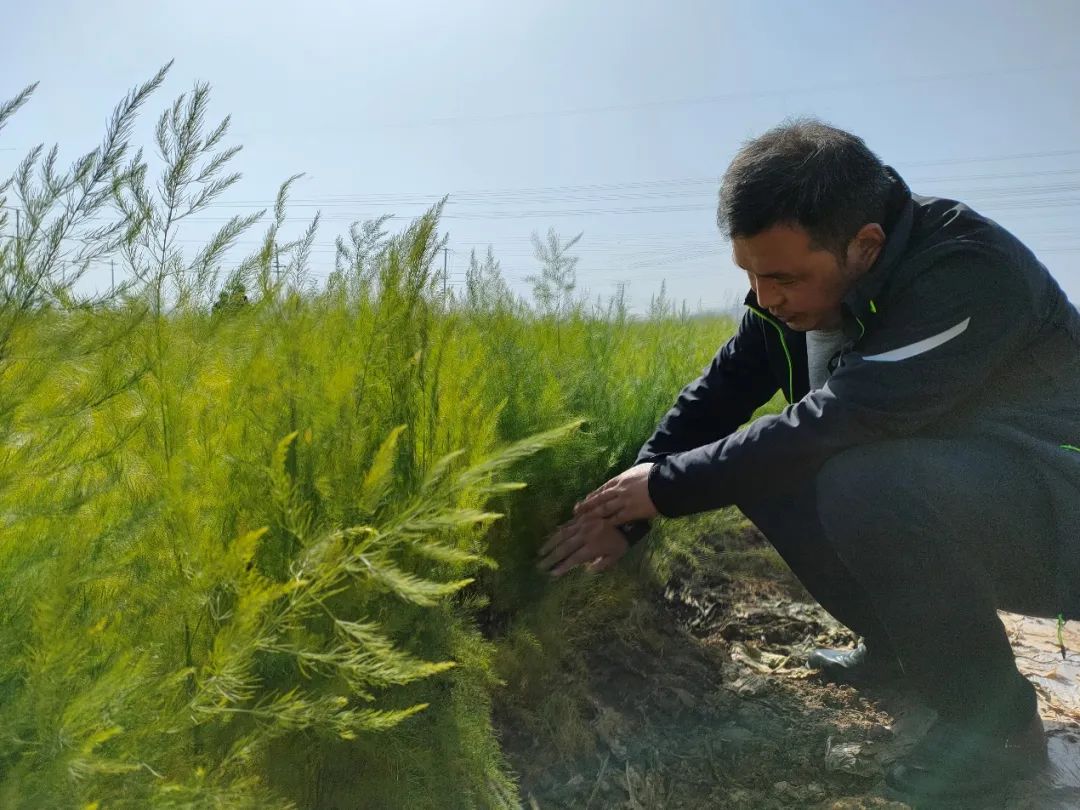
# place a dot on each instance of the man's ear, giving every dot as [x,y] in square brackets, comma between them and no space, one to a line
[863,250]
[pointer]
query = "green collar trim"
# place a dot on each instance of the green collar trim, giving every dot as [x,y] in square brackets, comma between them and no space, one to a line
[790,393]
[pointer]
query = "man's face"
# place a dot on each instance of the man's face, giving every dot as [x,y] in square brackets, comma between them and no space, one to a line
[798,282]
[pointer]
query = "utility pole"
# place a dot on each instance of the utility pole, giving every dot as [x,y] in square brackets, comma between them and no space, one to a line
[18,225]
[112,276]
[445,251]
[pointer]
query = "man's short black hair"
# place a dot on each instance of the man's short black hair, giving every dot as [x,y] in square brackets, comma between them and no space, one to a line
[806,173]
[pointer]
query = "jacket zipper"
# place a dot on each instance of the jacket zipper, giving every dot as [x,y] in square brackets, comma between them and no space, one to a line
[783,343]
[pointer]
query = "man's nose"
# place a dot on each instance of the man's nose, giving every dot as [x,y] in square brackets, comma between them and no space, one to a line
[768,295]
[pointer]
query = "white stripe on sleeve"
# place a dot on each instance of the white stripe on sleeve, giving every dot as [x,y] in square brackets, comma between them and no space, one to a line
[923,346]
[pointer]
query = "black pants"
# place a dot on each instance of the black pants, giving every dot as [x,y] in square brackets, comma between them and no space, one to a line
[913,544]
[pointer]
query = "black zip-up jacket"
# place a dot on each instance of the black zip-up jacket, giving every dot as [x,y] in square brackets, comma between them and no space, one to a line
[957,329]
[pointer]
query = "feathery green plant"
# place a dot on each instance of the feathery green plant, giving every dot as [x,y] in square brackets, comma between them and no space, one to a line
[252,551]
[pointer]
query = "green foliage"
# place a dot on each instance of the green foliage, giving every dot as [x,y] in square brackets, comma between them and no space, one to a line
[553,289]
[264,544]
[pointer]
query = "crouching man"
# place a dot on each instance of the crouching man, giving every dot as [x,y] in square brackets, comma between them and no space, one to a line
[926,470]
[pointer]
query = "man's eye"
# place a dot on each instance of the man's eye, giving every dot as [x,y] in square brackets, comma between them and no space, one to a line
[786,282]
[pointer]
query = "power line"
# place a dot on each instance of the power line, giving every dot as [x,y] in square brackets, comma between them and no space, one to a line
[639,254]
[650,189]
[735,95]
[661,190]
[1002,203]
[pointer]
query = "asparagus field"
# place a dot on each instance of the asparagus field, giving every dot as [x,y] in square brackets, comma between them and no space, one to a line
[269,528]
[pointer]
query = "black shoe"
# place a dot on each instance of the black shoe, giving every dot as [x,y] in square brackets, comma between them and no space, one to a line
[954,762]
[858,667]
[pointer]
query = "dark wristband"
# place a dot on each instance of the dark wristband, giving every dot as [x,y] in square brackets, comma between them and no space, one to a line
[635,530]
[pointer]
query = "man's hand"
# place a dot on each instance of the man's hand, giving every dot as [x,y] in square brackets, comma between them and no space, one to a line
[586,539]
[622,499]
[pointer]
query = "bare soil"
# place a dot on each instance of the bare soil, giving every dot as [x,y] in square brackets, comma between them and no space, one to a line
[713,707]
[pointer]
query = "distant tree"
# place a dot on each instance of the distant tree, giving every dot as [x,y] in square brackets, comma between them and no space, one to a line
[553,288]
[485,287]
[232,298]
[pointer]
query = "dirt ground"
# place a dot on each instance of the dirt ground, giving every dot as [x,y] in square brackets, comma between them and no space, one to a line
[716,709]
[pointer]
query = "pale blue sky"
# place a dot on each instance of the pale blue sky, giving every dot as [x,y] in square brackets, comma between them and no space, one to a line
[612,118]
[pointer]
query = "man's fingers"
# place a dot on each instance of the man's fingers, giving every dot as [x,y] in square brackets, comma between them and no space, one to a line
[619,514]
[599,492]
[571,542]
[599,501]
[582,506]
[583,554]
[554,540]
[601,564]
[611,506]
[565,532]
